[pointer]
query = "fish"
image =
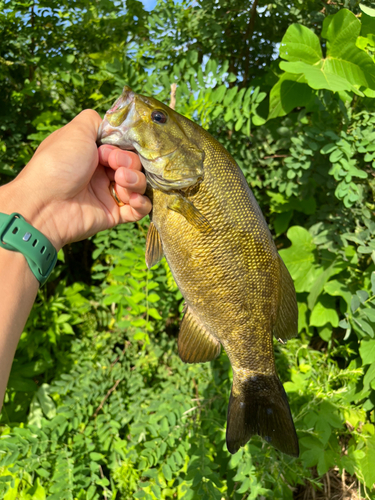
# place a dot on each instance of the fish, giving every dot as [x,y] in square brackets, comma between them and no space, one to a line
[238,292]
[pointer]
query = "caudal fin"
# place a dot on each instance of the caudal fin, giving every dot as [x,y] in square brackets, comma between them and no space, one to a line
[261,407]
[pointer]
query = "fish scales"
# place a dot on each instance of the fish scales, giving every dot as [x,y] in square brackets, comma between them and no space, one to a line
[213,276]
[224,261]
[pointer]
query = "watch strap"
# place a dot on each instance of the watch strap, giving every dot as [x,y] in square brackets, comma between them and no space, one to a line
[18,235]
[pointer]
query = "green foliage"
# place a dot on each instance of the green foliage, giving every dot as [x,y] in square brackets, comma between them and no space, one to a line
[347,67]
[98,403]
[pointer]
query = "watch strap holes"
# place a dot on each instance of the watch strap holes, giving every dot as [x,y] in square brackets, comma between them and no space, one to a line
[42,250]
[15,230]
[35,242]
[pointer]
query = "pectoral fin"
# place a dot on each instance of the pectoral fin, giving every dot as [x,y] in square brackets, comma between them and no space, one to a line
[195,344]
[286,326]
[154,248]
[184,207]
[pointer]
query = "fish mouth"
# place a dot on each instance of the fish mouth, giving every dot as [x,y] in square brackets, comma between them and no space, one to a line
[117,129]
[117,121]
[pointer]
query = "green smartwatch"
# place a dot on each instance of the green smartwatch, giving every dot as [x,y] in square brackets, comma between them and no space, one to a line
[19,236]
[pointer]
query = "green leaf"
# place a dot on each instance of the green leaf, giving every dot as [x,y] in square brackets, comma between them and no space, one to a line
[43,473]
[328,148]
[230,96]
[367,351]
[77,79]
[335,268]
[340,30]
[345,68]
[324,312]
[338,289]
[369,377]
[369,11]
[18,383]
[154,313]
[362,295]
[300,44]
[46,402]
[355,303]
[317,76]
[167,472]
[153,297]
[299,258]
[245,486]
[289,92]
[369,313]
[367,462]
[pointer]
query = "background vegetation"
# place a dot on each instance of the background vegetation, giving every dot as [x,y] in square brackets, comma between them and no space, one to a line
[99,406]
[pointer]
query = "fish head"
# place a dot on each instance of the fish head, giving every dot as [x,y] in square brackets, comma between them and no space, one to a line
[161,137]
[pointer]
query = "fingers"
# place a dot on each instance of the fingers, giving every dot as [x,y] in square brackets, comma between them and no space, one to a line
[138,207]
[112,157]
[130,180]
[124,167]
[136,200]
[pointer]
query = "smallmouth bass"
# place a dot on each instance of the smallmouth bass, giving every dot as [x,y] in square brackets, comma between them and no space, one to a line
[237,290]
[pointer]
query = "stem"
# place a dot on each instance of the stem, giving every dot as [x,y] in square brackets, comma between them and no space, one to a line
[105,398]
[172,104]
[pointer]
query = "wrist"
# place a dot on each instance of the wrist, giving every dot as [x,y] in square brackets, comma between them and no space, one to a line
[14,198]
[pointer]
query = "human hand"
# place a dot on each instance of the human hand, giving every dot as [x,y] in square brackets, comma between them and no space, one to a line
[64,189]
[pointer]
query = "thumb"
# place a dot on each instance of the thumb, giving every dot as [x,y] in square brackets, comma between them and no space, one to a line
[83,128]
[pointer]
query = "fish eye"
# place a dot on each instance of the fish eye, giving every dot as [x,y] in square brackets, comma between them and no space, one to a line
[158,116]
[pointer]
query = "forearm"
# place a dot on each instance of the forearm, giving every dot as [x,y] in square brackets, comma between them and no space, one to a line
[18,285]
[18,289]
[64,192]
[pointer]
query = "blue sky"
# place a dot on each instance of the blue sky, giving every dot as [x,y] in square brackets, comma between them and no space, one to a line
[149,4]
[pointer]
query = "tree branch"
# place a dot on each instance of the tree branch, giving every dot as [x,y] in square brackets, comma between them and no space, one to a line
[172,104]
[248,37]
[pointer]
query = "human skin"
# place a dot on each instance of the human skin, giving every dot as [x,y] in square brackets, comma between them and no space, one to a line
[64,193]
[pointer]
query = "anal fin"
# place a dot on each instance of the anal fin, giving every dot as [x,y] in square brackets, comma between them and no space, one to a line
[154,248]
[195,344]
[286,326]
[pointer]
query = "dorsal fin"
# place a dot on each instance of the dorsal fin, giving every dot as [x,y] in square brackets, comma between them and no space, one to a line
[286,326]
[154,248]
[195,344]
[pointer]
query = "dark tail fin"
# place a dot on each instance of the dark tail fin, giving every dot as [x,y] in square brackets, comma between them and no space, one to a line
[261,407]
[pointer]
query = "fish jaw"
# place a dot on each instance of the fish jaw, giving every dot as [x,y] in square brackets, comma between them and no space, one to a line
[170,160]
[118,121]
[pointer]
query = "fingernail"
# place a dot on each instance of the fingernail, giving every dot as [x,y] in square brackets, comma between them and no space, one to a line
[123,159]
[130,176]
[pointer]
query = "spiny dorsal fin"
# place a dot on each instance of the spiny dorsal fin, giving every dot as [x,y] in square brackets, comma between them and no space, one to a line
[184,207]
[154,248]
[286,325]
[195,344]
